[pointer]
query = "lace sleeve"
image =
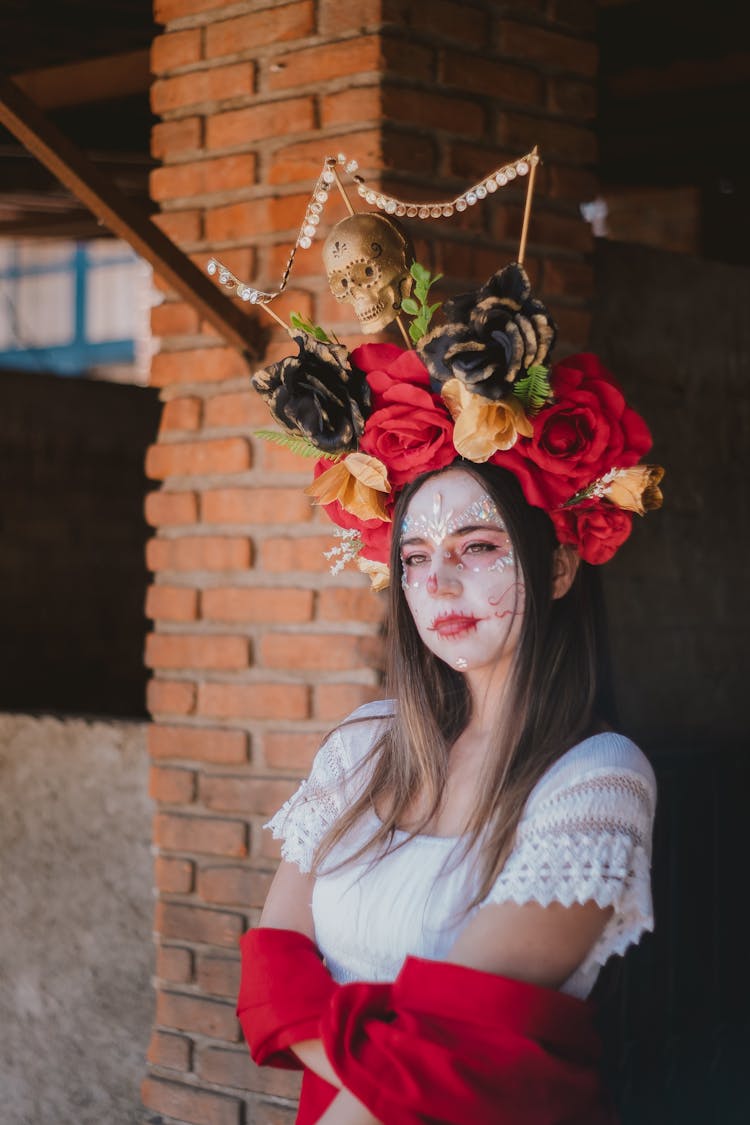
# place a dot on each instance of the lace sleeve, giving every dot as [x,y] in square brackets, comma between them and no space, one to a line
[308,814]
[589,839]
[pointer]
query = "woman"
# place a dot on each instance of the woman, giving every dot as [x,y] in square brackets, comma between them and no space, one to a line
[484,817]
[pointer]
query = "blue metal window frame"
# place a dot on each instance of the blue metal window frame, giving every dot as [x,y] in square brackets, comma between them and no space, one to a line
[80,355]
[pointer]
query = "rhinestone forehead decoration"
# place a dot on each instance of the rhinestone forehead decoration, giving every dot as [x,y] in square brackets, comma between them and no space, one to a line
[437,526]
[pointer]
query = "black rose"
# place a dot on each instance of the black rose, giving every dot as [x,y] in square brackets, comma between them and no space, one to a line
[318,394]
[491,336]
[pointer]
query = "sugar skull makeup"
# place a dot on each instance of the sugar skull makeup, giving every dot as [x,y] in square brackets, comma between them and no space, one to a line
[458,572]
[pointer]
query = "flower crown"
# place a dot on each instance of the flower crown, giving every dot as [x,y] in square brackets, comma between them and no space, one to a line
[477,387]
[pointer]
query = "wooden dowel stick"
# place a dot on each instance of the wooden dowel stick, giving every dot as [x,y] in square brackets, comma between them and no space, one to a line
[341,188]
[527,208]
[404,333]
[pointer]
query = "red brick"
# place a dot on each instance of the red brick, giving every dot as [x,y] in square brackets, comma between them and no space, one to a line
[199,744]
[254,701]
[239,220]
[173,963]
[549,48]
[259,29]
[559,231]
[233,886]
[182,413]
[204,835]
[434,111]
[176,49]
[325,652]
[167,10]
[258,605]
[304,160]
[178,922]
[174,877]
[197,458]
[248,795]
[199,87]
[171,508]
[171,786]
[350,605]
[176,650]
[571,279]
[240,410]
[491,78]
[171,1051]
[240,128]
[255,505]
[574,184]
[181,226]
[218,976]
[236,1069]
[571,143]
[190,1103]
[176,139]
[329,60]
[202,365]
[203,177]
[458,23]
[573,326]
[363,103]
[174,318]
[290,750]
[574,99]
[581,15]
[171,603]
[165,697]
[282,555]
[333,702]
[206,552]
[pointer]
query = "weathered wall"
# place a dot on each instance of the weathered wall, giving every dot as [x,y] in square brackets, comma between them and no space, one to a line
[76,952]
[256,649]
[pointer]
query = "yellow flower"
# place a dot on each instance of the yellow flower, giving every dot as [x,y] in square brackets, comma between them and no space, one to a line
[636,489]
[359,483]
[482,427]
[379,573]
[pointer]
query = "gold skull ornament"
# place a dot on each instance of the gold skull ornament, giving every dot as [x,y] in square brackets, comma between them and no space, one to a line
[367,259]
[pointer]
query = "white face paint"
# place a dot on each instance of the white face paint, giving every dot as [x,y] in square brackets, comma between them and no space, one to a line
[459,573]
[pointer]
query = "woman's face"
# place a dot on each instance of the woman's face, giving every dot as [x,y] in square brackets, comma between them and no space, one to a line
[459,573]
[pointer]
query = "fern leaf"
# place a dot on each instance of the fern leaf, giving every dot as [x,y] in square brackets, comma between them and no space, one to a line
[296,443]
[534,390]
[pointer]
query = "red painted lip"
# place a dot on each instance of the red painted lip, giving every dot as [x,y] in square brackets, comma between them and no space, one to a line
[454,624]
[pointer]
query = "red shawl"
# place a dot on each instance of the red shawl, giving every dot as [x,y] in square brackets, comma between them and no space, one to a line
[441,1045]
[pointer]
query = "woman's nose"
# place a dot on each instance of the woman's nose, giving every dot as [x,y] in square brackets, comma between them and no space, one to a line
[444,578]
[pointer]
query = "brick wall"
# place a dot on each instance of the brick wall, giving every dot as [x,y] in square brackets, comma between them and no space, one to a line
[256,649]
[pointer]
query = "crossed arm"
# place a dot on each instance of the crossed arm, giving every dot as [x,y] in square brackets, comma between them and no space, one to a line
[542,945]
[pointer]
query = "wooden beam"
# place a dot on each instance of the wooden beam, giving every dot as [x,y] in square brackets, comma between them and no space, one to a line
[26,121]
[91,80]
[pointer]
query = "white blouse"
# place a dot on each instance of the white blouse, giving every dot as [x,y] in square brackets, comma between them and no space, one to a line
[585,833]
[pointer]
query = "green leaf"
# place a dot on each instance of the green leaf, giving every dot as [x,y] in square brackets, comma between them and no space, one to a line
[417,306]
[296,443]
[297,320]
[534,390]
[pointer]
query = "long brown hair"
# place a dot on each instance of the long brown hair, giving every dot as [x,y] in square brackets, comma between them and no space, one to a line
[557,692]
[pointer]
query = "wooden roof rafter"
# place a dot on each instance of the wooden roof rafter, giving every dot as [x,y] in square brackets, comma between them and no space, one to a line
[20,115]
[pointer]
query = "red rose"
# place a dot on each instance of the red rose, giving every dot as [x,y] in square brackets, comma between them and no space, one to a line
[584,433]
[411,433]
[376,541]
[595,529]
[385,365]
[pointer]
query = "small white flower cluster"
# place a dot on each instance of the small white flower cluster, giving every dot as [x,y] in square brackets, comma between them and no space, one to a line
[346,551]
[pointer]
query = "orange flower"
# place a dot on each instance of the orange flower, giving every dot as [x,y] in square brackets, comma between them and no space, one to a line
[636,489]
[481,426]
[359,483]
[379,573]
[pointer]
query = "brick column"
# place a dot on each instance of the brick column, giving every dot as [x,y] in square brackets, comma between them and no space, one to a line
[256,649]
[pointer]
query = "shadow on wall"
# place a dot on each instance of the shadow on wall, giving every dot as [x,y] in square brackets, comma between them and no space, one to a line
[675,332]
[76,1003]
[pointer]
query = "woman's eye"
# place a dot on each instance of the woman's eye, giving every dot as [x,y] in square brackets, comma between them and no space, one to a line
[414,560]
[479,548]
